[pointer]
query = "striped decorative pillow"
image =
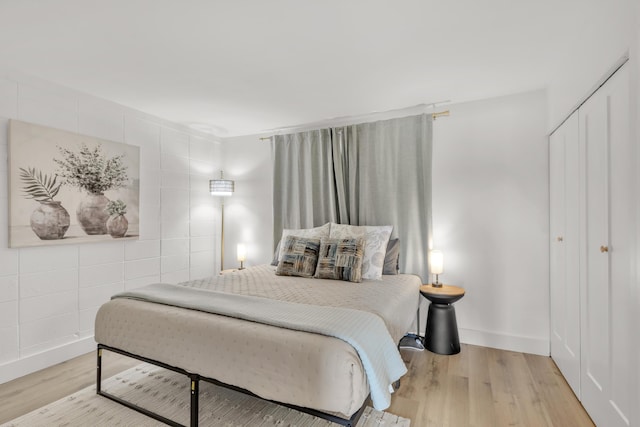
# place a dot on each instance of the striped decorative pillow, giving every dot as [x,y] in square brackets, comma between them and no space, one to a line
[316,233]
[299,257]
[375,245]
[341,259]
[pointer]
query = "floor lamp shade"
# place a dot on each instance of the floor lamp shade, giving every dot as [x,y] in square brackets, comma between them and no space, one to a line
[221,187]
[224,188]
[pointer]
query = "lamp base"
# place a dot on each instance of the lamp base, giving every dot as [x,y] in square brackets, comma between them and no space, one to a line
[437,284]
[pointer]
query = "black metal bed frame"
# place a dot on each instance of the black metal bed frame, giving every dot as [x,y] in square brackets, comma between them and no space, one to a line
[195,389]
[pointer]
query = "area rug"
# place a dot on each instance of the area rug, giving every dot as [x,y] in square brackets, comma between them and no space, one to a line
[166,392]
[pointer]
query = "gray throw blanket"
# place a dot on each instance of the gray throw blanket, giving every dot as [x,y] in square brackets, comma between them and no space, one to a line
[366,332]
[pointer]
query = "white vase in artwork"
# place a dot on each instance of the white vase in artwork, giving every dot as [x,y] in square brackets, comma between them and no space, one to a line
[50,221]
[117,226]
[91,213]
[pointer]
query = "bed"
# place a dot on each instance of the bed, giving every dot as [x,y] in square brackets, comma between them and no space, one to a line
[321,374]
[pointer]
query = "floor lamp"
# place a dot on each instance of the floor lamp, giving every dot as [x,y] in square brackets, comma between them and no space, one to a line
[222,188]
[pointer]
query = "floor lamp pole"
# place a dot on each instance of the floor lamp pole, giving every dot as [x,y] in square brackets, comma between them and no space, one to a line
[222,188]
[222,237]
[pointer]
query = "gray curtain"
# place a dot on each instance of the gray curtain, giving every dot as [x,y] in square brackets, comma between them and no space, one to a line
[366,174]
[304,193]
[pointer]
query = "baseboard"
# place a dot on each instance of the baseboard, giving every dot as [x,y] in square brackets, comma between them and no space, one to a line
[18,368]
[519,343]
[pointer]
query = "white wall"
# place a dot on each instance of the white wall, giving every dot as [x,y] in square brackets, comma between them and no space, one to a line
[249,212]
[490,218]
[635,134]
[490,203]
[589,55]
[49,295]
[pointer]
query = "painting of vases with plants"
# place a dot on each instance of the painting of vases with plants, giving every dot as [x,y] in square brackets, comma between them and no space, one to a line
[67,188]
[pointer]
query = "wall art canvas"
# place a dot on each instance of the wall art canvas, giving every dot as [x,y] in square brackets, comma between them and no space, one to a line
[66,188]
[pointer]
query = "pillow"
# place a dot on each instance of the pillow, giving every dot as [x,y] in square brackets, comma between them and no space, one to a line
[340,259]
[376,239]
[300,256]
[392,257]
[316,233]
[274,261]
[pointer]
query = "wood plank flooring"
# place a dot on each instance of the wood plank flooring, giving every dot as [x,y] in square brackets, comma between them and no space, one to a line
[485,387]
[23,395]
[479,387]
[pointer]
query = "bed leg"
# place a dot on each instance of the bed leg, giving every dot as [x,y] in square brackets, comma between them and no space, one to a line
[195,389]
[99,372]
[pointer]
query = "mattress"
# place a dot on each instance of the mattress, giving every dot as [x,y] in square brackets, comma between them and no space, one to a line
[299,368]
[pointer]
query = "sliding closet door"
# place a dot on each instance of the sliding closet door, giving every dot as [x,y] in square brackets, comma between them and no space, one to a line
[565,250]
[607,270]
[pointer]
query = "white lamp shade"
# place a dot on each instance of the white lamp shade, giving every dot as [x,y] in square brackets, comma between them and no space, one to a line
[242,252]
[221,187]
[436,262]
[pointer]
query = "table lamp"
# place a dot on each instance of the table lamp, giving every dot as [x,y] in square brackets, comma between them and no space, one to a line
[242,255]
[436,266]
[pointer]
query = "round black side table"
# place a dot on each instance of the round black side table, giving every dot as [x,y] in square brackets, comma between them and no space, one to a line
[441,336]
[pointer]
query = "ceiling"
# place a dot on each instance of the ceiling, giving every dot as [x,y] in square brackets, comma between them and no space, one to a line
[245,66]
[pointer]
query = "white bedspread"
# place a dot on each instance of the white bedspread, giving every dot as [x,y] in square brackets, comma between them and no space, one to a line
[295,367]
[365,331]
[395,298]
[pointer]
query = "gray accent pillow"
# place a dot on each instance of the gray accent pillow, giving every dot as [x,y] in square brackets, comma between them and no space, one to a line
[375,238]
[392,257]
[299,257]
[274,261]
[316,233]
[341,259]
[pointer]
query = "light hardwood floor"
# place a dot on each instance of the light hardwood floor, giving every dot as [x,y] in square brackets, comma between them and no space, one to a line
[485,387]
[479,387]
[32,391]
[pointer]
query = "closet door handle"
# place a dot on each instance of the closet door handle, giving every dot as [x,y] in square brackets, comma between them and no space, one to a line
[604,249]
[560,239]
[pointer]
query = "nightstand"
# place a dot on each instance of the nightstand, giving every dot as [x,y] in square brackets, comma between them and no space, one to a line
[227,271]
[441,336]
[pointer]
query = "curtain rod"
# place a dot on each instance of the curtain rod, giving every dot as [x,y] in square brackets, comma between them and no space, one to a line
[434,116]
[445,113]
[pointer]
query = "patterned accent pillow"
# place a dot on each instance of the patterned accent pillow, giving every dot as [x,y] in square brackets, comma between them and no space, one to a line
[299,258]
[376,239]
[276,254]
[316,233]
[341,259]
[392,257]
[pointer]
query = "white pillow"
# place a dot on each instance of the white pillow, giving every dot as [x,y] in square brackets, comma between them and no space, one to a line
[376,239]
[316,233]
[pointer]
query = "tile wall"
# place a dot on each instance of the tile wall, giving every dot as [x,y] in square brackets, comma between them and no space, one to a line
[49,295]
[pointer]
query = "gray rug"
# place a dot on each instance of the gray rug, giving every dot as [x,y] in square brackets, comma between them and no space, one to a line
[166,392]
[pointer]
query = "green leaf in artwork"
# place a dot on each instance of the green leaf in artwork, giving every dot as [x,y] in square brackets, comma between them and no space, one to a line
[117,207]
[91,170]
[39,187]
